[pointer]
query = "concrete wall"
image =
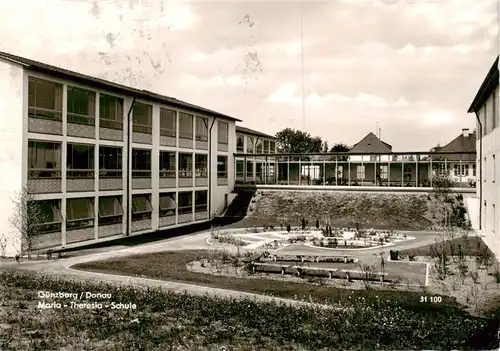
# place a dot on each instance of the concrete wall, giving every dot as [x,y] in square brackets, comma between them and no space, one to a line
[13,148]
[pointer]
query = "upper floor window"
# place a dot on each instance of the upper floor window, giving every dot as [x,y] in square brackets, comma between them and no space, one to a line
[185,126]
[110,162]
[110,112]
[185,165]
[167,164]
[250,145]
[240,143]
[258,146]
[168,122]
[141,119]
[81,106]
[141,163]
[201,128]
[80,161]
[221,166]
[266,146]
[44,159]
[223,133]
[201,164]
[272,147]
[44,99]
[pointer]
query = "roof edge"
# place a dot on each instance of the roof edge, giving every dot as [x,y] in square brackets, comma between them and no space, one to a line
[490,82]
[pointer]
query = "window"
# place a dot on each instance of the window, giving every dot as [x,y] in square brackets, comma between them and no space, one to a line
[258,146]
[81,106]
[200,201]
[185,202]
[110,210]
[167,164]
[493,216]
[340,171]
[141,207]
[141,163]
[266,146]
[223,133]
[485,169]
[240,171]
[272,147]
[79,213]
[201,128]
[249,169]
[44,159]
[494,110]
[110,162]
[49,215]
[80,161]
[167,204]
[384,172]
[239,143]
[473,169]
[185,126]
[221,166]
[168,122]
[185,165]
[110,112]
[494,177]
[441,169]
[44,99]
[250,145]
[360,171]
[407,172]
[460,170]
[141,118]
[200,165]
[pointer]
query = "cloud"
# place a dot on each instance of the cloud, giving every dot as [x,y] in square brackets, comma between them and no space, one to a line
[413,67]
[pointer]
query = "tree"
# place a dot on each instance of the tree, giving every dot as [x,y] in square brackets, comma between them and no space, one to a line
[340,147]
[28,219]
[325,146]
[291,141]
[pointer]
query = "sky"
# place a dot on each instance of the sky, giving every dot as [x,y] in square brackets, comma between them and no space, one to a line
[335,69]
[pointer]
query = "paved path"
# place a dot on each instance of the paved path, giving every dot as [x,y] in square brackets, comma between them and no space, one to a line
[196,241]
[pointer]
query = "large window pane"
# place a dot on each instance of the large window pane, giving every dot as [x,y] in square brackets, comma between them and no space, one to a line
[110,210]
[201,200]
[167,164]
[258,146]
[221,166]
[44,159]
[185,126]
[185,202]
[81,106]
[110,112]
[167,204]
[201,128]
[110,162]
[223,133]
[201,165]
[240,143]
[79,213]
[272,147]
[50,216]
[44,99]
[80,161]
[168,122]
[141,207]
[141,163]
[141,119]
[185,165]
[250,146]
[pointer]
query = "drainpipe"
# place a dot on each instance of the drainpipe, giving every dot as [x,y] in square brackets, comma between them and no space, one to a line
[129,143]
[209,166]
[480,133]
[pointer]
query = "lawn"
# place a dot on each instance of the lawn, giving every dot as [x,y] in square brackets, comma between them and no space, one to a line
[172,266]
[168,321]
[471,245]
[381,211]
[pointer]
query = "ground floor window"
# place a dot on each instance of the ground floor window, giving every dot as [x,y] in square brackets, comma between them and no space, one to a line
[141,207]
[201,201]
[384,170]
[185,202]
[360,172]
[79,213]
[461,170]
[110,210]
[47,215]
[167,204]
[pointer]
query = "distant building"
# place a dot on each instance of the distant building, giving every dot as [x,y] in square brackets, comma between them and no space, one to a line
[485,106]
[370,143]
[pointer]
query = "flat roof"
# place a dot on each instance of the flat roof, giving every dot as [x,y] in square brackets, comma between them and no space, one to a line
[107,85]
[489,84]
[245,130]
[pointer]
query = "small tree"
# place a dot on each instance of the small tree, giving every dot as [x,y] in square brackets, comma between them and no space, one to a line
[27,218]
[442,261]
[288,228]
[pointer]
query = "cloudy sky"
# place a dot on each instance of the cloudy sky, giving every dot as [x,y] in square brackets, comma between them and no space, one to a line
[412,66]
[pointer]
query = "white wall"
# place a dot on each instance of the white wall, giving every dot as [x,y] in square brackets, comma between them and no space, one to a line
[218,194]
[366,158]
[12,169]
[490,183]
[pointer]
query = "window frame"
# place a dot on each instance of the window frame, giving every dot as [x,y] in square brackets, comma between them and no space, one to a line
[141,215]
[141,127]
[80,173]
[83,222]
[223,134]
[78,118]
[113,218]
[116,110]
[186,134]
[164,131]
[222,174]
[166,160]
[203,207]
[110,172]
[182,209]
[164,212]
[33,152]
[35,111]
[202,171]
[203,122]
[141,172]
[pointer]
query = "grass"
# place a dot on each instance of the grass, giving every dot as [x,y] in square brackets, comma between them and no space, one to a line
[473,246]
[168,321]
[172,266]
[381,211]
